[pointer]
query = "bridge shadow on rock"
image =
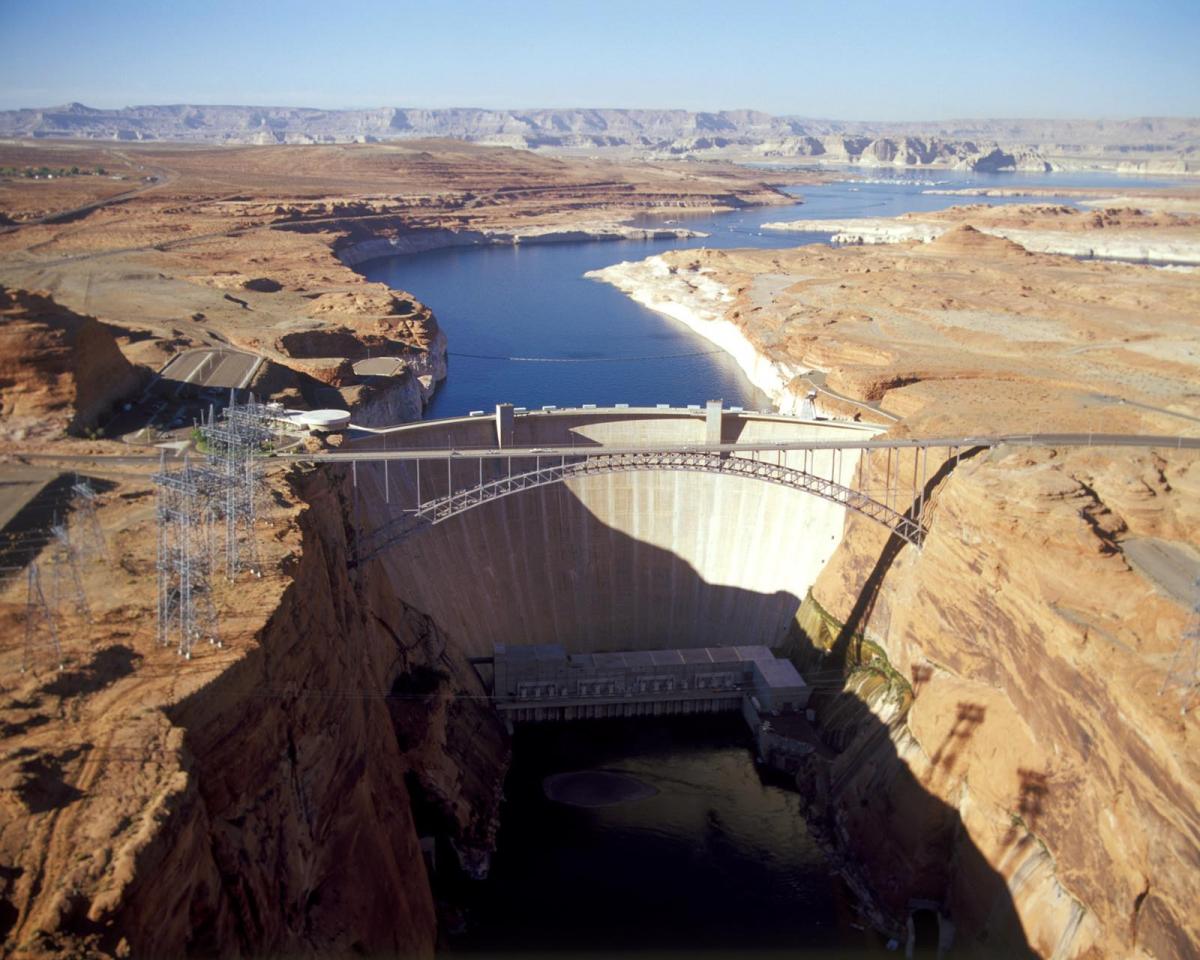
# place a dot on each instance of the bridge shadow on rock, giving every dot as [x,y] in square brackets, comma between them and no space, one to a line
[900,840]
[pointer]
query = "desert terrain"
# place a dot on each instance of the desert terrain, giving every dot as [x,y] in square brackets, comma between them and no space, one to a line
[1024,657]
[248,248]
[966,333]
[263,804]
[240,252]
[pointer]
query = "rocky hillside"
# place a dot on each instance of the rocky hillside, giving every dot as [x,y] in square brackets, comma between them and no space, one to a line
[1148,144]
[266,798]
[58,370]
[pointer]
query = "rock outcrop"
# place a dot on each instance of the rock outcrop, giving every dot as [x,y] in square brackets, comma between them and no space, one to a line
[266,799]
[59,370]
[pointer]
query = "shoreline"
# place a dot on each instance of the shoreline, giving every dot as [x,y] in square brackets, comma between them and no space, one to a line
[817,164]
[1134,249]
[696,301]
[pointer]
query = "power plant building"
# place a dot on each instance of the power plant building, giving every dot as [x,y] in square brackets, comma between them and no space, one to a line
[543,682]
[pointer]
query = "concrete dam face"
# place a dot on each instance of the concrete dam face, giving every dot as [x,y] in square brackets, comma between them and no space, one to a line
[642,559]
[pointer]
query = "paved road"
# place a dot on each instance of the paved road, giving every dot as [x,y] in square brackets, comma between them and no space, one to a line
[1173,567]
[162,176]
[1048,440]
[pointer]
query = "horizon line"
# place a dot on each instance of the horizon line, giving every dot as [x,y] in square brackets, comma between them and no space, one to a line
[549,109]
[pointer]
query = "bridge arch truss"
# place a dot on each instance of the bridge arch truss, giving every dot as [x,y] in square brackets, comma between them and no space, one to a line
[906,525]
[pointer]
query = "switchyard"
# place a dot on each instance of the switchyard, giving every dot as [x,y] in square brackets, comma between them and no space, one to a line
[192,501]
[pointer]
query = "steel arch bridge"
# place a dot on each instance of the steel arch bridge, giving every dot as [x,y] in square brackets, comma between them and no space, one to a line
[443,508]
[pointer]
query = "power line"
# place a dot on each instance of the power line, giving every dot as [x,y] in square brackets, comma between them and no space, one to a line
[669,356]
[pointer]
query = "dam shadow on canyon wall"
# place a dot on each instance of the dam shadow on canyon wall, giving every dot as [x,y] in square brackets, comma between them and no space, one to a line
[574,565]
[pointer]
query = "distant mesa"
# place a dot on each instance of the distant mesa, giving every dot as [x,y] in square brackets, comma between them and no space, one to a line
[1164,145]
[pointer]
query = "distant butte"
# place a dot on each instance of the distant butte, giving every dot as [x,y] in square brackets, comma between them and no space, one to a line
[1145,145]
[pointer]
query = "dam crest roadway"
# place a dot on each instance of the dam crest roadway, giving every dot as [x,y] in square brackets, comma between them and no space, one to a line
[888,480]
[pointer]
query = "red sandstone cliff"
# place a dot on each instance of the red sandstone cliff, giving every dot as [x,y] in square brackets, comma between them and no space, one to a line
[1017,763]
[254,800]
[58,370]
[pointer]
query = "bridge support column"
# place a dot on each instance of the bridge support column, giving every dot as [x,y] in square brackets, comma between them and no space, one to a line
[504,425]
[712,421]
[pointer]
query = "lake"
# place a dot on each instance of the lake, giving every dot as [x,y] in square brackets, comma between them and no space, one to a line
[532,301]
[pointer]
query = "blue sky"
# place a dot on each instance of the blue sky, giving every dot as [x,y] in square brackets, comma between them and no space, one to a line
[848,60]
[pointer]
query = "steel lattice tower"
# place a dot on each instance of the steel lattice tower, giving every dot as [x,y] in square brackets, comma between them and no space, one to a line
[233,448]
[186,611]
[67,555]
[91,544]
[38,612]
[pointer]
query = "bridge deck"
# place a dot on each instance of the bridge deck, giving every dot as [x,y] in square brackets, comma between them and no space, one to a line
[491,452]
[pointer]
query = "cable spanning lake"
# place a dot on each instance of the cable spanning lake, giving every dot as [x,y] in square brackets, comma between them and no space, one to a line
[532,301]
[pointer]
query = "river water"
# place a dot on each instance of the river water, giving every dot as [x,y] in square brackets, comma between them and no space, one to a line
[714,860]
[709,858]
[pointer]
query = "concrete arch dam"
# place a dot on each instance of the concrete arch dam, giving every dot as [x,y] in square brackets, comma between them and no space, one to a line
[635,559]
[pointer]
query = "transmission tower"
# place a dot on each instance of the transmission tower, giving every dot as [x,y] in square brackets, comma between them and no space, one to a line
[38,615]
[67,555]
[234,445]
[91,543]
[1184,672]
[186,611]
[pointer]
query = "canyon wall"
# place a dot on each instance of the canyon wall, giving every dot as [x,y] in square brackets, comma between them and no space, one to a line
[1006,752]
[278,790]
